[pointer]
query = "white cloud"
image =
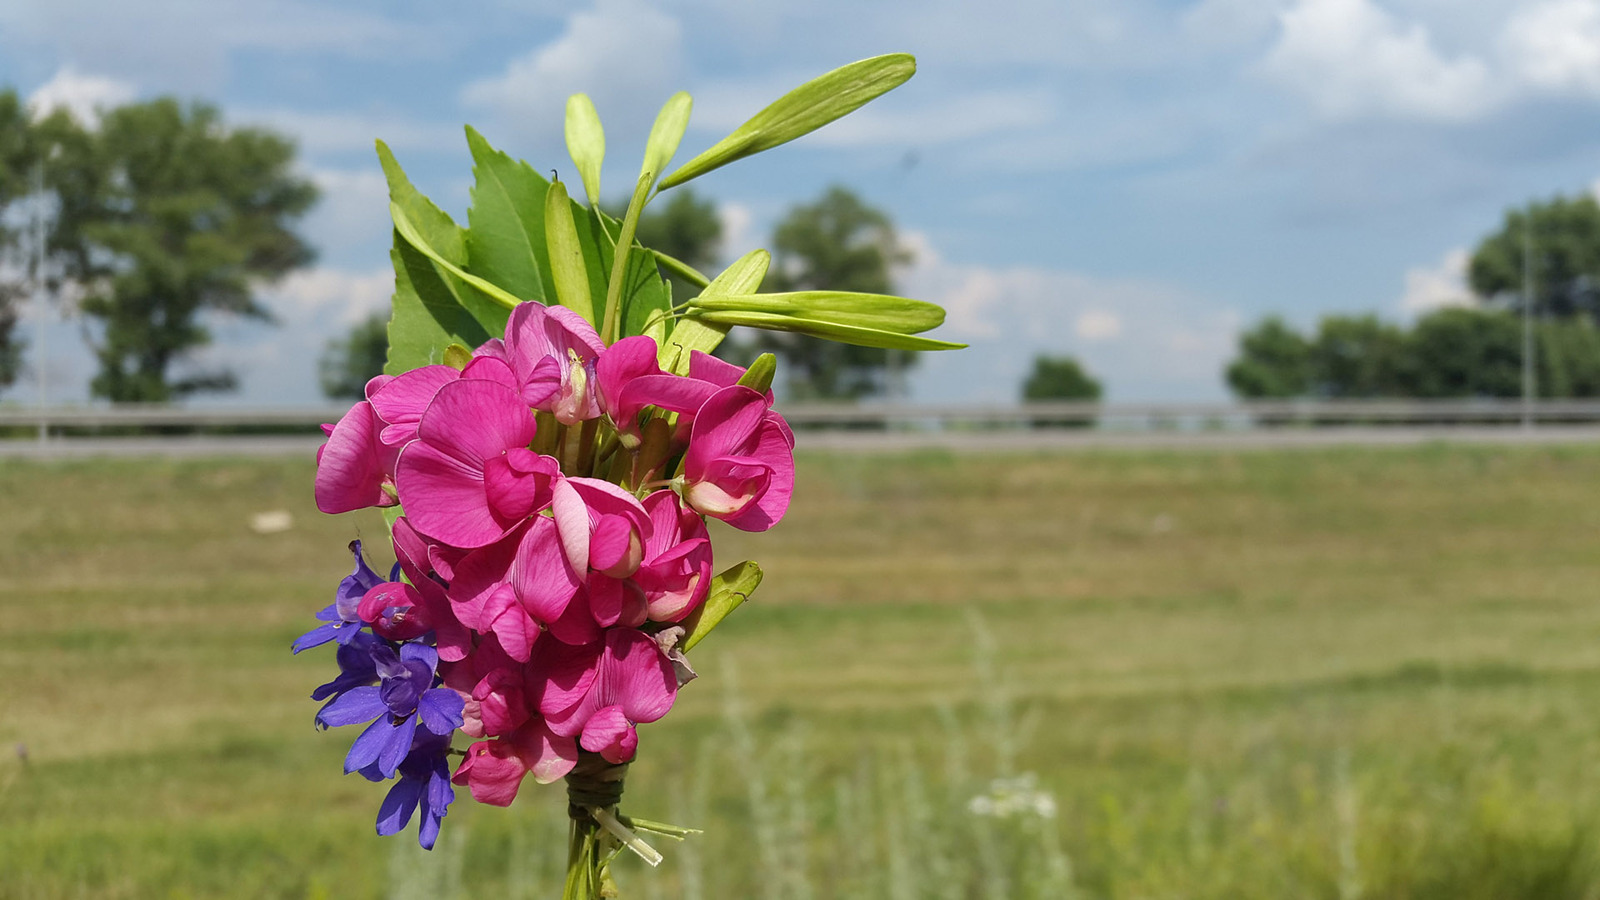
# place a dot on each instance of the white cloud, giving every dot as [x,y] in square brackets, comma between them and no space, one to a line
[1169,343]
[738,229]
[1351,58]
[1555,46]
[1437,286]
[626,55]
[352,215]
[80,94]
[1098,325]
[328,299]
[345,132]
[1224,23]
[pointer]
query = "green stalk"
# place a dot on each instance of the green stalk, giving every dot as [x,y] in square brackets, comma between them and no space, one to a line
[619,263]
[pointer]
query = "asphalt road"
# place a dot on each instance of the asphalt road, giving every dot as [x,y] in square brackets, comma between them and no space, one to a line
[886,442]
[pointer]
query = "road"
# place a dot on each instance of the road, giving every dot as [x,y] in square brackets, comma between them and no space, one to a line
[886,442]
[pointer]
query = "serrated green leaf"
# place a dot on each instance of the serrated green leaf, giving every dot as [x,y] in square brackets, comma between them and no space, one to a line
[586,143]
[566,255]
[728,591]
[665,135]
[408,231]
[802,111]
[901,315]
[505,239]
[689,334]
[833,331]
[431,309]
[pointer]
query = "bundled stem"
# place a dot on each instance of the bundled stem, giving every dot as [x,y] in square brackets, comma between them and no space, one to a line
[593,784]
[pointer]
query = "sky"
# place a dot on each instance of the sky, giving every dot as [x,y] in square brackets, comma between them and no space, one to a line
[1131,182]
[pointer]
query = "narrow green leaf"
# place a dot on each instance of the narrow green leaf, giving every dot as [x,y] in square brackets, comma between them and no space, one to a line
[689,334]
[408,230]
[759,376]
[566,254]
[681,269]
[505,240]
[586,142]
[665,134]
[728,591]
[901,315]
[833,331]
[802,111]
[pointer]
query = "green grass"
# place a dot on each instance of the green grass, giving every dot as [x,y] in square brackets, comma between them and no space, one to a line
[1344,673]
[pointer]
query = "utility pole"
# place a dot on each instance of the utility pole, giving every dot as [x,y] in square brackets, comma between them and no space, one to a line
[1528,387]
[40,300]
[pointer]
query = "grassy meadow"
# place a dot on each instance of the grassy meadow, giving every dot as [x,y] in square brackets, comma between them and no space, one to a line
[1329,674]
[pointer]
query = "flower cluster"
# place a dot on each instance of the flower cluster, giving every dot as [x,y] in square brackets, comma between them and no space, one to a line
[554,493]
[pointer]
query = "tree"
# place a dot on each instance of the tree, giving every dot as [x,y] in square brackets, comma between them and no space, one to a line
[837,243]
[348,363]
[1059,378]
[1565,249]
[1466,353]
[166,217]
[687,228]
[1274,361]
[1357,356]
[18,277]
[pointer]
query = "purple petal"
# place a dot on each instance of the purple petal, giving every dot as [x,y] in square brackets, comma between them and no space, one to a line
[441,710]
[394,750]
[316,637]
[364,752]
[398,805]
[361,704]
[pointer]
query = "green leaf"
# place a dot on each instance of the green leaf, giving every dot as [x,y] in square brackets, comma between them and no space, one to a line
[743,277]
[408,231]
[728,591]
[759,376]
[901,315]
[586,143]
[620,274]
[431,308]
[682,269]
[802,111]
[833,331]
[566,254]
[506,242]
[665,135]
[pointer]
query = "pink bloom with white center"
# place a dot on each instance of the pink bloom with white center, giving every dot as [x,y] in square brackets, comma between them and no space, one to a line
[740,464]
[469,477]
[553,352]
[676,573]
[633,683]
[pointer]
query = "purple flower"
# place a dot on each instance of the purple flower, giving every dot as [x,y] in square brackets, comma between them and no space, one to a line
[340,619]
[403,699]
[424,780]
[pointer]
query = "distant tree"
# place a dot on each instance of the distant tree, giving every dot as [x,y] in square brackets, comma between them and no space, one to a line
[1357,356]
[1274,361]
[165,217]
[348,363]
[837,243]
[1059,378]
[1465,353]
[687,228]
[1565,249]
[18,278]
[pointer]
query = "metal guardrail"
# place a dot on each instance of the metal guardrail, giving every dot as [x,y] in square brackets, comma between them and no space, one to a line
[1134,416]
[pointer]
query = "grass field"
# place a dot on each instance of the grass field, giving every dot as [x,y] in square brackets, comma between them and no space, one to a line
[1340,674]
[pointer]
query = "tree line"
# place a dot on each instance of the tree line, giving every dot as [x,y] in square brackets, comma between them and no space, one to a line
[1468,351]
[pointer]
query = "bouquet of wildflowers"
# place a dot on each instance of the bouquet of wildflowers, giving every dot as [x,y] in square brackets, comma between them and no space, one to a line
[549,438]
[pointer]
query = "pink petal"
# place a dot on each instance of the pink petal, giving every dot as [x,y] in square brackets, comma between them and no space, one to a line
[543,580]
[725,425]
[504,616]
[475,420]
[572,522]
[479,575]
[350,470]
[622,362]
[402,400]
[605,600]
[609,733]
[562,676]
[614,547]
[670,392]
[490,368]
[774,446]
[577,624]
[639,676]
[445,497]
[493,770]
[548,755]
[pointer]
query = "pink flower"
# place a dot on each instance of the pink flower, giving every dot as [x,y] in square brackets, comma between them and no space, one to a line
[354,466]
[740,464]
[421,562]
[515,585]
[469,478]
[617,375]
[553,351]
[633,683]
[676,573]
[602,526]
[494,769]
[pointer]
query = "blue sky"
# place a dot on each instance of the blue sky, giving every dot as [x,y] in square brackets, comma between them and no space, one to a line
[1129,181]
